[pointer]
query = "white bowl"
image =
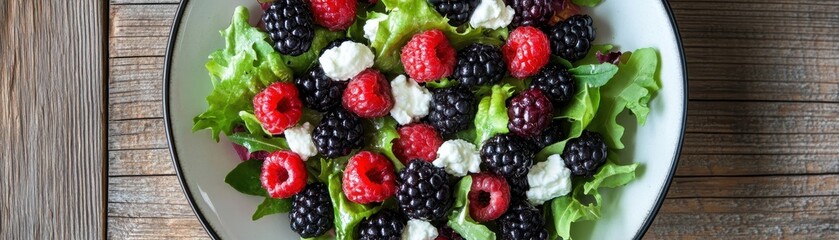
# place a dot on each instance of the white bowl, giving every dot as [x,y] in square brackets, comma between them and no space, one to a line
[202,163]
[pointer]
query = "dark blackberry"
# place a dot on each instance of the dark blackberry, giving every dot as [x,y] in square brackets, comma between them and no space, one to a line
[311,211]
[318,91]
[333,44]
[507,155]
[530,12]
[289,24]
[522,222]
[458,11]
[571,39]
[447,233]
[584,155]
[529,112]
[452,110]
[338,133]
[518,187]
[549,136]
[557,83]
[479,64]
[424,192]
[384,225]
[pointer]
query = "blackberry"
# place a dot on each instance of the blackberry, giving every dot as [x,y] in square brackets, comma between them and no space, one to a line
[424,192]
[452,110]
[549,136]
[458,11]
[289,24]
[522,222]
[571,39]
[318,91]
[384,225]
[479,64]
[557,83]
[584,155]
[531,12]
[311,211]
[338,133]
[333,44]
[530,112]
[507,155]
[518,187]
[447,233]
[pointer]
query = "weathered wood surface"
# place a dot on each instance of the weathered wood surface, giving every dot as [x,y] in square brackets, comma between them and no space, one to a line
[52,118]
[761,154]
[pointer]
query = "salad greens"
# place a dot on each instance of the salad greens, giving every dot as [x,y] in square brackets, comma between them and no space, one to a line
[491,118]
[459,219]
[245,178]
[380,135]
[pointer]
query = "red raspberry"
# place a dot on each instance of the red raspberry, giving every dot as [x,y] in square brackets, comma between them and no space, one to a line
[417,141]
[335,15]
[278,107]
[283,174]
[428,56]
[369,177]
[368,95]
[527,50]
[489,197]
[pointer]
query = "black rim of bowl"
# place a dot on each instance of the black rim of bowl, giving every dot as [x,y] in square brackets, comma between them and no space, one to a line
[212,232]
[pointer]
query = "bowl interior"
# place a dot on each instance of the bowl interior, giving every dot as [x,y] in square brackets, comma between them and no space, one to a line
[202,163]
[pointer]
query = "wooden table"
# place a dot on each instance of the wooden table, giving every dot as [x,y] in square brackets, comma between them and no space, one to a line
[760,158]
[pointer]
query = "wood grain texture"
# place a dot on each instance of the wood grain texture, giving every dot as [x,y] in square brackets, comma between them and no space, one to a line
[52,119]
[760,158]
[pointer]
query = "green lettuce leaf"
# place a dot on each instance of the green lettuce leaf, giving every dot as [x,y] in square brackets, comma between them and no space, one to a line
[459,219]
[238,72]
[245,178]
[258,142]
[301,63]
[347,214]
[380,135]
[631,88]
[587,3]
[442,83]
[594,75]
[491,118]
[580,112]
[272,206]
[591,57]
[252,123]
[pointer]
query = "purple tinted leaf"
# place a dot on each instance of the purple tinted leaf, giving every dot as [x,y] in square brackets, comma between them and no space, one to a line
[611,57]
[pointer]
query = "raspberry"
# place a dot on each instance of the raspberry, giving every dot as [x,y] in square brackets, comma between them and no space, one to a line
[289,25]
[457,11]
[531,12]
[424,192]
[507,155]
[527,50]
[368,95]
[428,56]
[336,15]
[584,155]
[479,64]
[283,174]
[311,211]
[417,141]
[518,187]
[552,134]
[572,38]
[556,82]
[530,112]
[319,92]
[278,107]
[447,233]
[369,177]
[452,110]
[384,225]
[522,222]
[338,133]
[489,197]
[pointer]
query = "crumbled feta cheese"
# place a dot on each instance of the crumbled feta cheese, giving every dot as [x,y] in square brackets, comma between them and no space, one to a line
[413,100]
[548,180]
[371,27]
[347,60]
[492,14]
[299,140]
[458,157]
[419,230]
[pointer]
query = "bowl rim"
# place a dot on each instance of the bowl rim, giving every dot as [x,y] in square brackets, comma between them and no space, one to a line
[173,34]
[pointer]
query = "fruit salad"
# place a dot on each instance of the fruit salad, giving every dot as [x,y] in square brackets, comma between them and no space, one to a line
[426,119]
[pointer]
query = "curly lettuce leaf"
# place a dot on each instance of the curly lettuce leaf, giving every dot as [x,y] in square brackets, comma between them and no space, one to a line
[245,178]
[491,118]
[252,124]
[591,57]
[459,219]
[238,72]
[301,63]
[587,3]
[255,143]
[347,214]
[631,88]
[272,206]
[594,75]
[580,111]
[380,135]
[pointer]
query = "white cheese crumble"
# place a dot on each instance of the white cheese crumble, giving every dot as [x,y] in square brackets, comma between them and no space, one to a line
[492,14]
[299,140]
[413,100]
[458,157]
[548,180]
[347,60]
[419,230]
[371,27]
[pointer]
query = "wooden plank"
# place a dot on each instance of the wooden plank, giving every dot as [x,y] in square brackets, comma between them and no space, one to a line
[140,30]
[740,143]
[52,113]
[155,228]
[137,134]
[135,88]
[126,2]
[754,186]
[140,162]
[756,164]
[762,117]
